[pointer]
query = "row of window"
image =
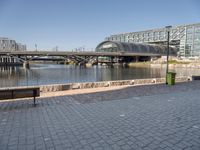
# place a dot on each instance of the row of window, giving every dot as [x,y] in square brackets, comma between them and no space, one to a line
[156,35]
[193,29]
[7,41]
[144,38]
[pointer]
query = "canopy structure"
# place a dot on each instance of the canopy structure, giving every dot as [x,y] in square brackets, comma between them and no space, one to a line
[115,46]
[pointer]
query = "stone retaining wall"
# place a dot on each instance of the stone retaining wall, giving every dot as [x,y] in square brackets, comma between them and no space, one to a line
[191,65]
[84,85]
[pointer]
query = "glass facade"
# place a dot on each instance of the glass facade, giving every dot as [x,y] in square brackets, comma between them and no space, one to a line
[115,46]
[186,38]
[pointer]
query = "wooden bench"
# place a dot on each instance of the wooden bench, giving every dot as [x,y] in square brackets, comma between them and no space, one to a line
[195,77]
[19,92]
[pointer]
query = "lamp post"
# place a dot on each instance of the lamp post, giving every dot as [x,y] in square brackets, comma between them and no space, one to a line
[168,28]
[36,47]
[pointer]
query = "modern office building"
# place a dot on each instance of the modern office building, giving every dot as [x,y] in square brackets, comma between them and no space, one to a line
[185,37]
[7,44]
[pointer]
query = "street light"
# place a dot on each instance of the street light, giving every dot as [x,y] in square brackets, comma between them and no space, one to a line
[168,28]
[36,47]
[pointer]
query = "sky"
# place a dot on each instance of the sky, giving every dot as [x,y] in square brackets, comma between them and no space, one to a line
[71,24]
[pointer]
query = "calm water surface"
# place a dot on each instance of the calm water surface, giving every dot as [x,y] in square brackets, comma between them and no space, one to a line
[43,74]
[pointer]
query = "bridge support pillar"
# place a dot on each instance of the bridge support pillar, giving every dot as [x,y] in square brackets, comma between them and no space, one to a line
[137,59]
[97,60]
[112,62]
[26,64]
[88,65]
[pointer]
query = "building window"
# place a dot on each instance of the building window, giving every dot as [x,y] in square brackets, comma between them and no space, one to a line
[197,29]
[189,30]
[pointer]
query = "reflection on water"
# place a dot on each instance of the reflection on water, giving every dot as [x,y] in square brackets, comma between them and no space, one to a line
[42,74]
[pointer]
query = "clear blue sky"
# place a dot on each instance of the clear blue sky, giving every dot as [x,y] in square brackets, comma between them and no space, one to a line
[69,24]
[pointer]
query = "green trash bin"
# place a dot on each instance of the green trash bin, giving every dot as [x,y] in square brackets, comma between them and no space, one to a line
[171,78]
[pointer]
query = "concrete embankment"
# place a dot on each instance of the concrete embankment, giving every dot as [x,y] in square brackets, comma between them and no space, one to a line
[118,83]
[192,65]
[86,85]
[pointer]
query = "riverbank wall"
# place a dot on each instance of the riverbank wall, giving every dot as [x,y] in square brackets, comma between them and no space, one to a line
[86,85]
[192,65]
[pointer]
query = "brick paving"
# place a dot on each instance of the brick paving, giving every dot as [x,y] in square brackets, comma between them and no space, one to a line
[142,118]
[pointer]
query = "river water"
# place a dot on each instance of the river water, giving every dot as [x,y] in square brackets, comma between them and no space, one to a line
[43,74]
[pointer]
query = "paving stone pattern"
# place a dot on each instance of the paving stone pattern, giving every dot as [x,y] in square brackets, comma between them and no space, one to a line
[141,118]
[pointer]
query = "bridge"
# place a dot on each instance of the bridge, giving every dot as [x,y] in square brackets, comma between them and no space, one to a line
[67,53]
[78,57]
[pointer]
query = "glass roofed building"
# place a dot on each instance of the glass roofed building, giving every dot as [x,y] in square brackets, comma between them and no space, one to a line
[186,38]
[139,48]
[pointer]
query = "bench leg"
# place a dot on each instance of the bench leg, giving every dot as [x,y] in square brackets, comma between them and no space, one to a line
[34,95]
[34,100]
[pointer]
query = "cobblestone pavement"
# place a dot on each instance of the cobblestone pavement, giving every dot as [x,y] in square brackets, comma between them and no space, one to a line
[141,118]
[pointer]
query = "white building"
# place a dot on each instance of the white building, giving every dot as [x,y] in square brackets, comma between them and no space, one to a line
[7,44]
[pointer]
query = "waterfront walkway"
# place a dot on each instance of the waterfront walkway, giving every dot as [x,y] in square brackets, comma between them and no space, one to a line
[142,118]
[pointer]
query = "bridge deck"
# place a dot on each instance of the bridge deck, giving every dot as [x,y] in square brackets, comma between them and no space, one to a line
[64,53]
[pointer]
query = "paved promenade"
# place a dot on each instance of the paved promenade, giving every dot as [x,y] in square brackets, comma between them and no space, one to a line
[135,118]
